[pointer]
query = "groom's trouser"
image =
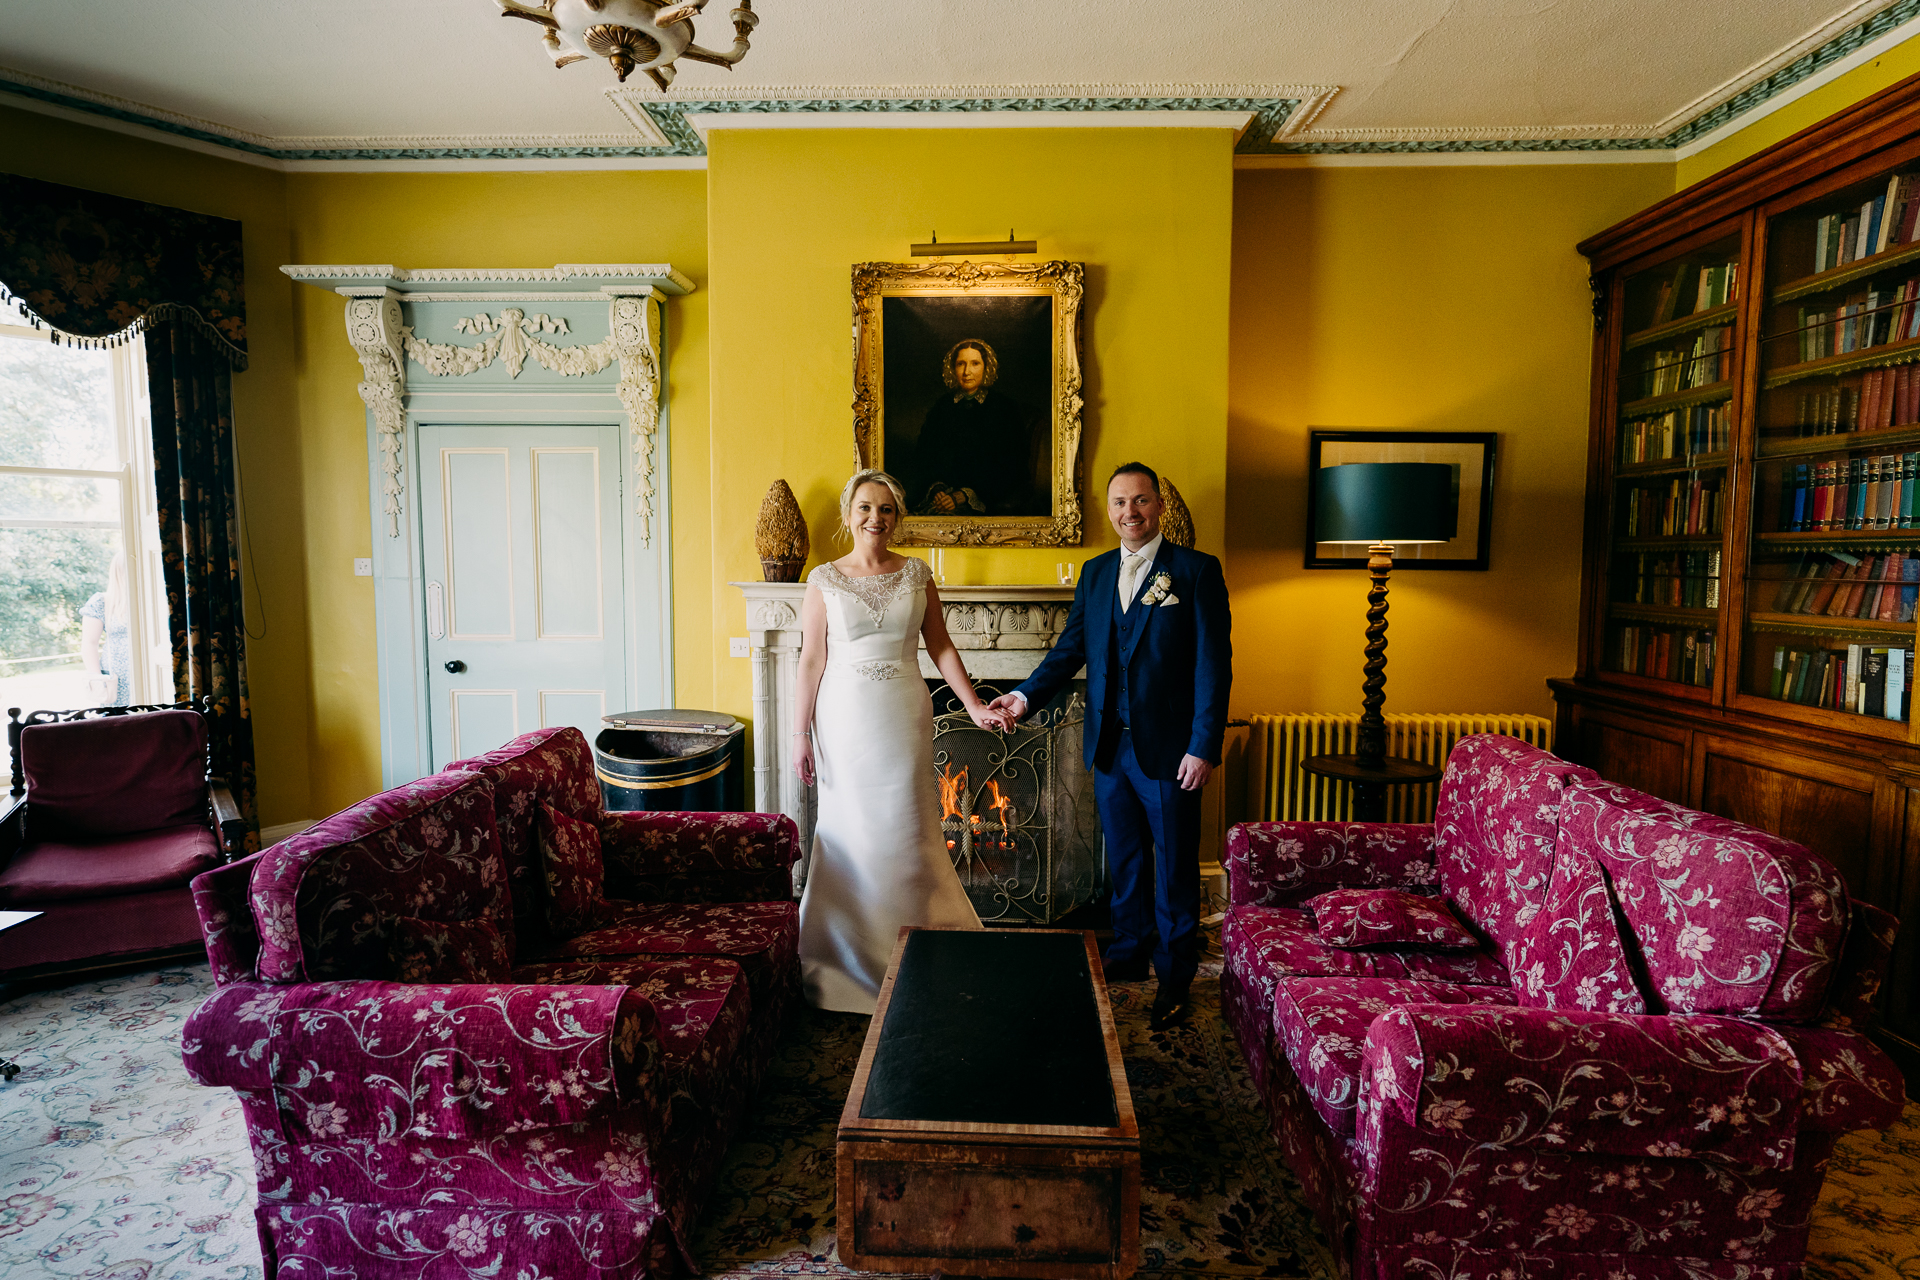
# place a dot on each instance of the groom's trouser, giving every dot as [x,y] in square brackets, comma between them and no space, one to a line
[1152,830]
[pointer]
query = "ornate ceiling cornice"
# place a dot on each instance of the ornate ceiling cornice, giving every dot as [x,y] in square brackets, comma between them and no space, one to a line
[1274,119]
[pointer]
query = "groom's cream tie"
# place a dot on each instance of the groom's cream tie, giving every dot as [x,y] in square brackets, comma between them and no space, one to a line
[1130,567]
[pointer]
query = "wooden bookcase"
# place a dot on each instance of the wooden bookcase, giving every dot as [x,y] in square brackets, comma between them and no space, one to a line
[1750,572]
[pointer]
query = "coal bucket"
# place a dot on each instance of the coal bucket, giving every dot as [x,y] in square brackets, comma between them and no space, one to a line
[672,760]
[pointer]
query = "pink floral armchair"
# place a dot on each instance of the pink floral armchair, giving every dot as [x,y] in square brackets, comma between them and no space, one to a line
[438,1083]
[1640,1070]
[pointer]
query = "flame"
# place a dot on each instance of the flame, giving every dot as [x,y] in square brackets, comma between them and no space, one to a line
[1002,802]
[953,790]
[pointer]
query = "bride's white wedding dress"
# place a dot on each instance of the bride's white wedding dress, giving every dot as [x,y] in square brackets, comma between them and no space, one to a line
[880,860]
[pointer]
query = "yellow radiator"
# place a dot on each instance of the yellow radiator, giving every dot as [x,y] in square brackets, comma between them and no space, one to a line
[1278,790]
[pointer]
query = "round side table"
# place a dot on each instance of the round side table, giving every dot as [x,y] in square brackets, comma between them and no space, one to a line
[1371,780]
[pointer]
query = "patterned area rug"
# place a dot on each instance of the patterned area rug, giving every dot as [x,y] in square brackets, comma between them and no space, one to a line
[113,1166]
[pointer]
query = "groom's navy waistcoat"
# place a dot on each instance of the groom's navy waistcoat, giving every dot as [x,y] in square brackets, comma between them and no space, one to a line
[1162,669]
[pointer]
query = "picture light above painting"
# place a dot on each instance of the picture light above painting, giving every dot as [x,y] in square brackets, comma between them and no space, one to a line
[1469,453]
[966,383]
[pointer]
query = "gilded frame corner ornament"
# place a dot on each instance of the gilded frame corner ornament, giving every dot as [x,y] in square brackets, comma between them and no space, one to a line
[1065,282]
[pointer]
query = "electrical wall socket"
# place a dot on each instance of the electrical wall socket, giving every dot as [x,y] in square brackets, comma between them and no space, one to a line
[737,647]
[363,566]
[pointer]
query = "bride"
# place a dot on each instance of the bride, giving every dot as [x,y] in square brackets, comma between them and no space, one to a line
[880,860]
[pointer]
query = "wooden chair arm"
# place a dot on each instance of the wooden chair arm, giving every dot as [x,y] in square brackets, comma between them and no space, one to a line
[13,828]
[233,827]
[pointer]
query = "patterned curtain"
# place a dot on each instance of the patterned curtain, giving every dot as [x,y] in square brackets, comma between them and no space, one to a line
[97,269]
[191,386]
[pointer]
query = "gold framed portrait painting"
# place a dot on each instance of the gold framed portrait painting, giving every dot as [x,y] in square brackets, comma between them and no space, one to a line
[966,383]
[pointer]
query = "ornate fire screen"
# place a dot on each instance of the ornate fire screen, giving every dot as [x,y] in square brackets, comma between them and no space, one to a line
[1018,811]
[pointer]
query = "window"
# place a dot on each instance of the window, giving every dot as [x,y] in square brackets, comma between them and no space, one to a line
[79,536]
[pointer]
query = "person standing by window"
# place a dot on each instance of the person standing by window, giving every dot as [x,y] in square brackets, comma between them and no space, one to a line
[105,615]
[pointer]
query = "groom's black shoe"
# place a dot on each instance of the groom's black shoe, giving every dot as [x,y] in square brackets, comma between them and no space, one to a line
[1124,970]
[1170,1008]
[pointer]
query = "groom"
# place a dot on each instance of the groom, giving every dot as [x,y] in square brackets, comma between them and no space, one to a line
[1150,624]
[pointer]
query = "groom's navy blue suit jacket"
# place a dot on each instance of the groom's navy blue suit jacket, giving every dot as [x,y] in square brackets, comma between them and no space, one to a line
[1179,661]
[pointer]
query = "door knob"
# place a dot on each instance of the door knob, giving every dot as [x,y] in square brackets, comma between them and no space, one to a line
[456,667]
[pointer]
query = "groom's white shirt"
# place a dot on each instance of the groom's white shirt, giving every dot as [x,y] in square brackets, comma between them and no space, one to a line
[1145,555]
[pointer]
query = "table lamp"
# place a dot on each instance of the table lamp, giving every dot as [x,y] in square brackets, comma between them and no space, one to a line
[1383,505]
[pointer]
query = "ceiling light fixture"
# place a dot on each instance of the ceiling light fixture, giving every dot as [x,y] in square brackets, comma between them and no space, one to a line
[630,34]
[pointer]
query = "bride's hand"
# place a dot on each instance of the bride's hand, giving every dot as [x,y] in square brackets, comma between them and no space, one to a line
[803,758]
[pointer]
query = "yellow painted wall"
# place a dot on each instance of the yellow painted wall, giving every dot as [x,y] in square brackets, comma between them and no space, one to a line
[790,211]
[1897,63]
[1420,298]
[268,444]
[467,220]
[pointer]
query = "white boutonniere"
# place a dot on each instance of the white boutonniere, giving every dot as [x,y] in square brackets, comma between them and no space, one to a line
[1161,590]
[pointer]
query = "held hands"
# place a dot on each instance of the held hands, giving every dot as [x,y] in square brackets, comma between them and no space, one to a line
[1194,773]
[1014,706]
[993,717]
[803,757]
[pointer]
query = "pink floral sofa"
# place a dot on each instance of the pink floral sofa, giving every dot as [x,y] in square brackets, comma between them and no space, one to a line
[437,1081]
[1638,1069]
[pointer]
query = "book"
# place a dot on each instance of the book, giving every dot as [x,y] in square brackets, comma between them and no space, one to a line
[1887,608]
[1899,679]
[1909,590]
[1779,669]
[1850,687]
[1873,682]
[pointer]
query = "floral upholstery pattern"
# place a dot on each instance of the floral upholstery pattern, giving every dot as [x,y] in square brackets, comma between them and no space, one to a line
[458,1240]
[701,1008]
[1481,1134]
[1321,1025]
[226,919]
[574,874]
[1387,918]
[545,766]
[699,857]
[463,951]
[1689,1085]
[381,1060]
[1496,821]
[562,1115]
[425,849]
[1282,864]
[1729,919]
[763,937]
[1570,955]
[1868,952]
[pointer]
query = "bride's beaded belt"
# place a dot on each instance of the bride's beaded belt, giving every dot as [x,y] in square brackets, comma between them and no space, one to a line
[871,670]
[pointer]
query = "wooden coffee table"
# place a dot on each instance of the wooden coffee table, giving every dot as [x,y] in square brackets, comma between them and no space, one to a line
[989,1131]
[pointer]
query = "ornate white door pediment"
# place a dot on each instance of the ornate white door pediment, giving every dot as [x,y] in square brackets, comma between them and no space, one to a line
[574,344]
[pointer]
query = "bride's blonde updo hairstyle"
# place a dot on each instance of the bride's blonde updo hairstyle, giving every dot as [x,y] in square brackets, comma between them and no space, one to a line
[867,475]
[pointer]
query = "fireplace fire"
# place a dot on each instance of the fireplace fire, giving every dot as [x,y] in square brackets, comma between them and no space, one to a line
[1010,812]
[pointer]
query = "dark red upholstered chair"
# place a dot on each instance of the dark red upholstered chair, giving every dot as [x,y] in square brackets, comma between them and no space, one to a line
[113,811]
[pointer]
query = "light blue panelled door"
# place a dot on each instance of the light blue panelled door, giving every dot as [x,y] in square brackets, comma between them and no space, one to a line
[520,530]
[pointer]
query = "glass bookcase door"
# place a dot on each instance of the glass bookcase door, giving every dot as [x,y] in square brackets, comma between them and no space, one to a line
[1672,443]
[1834,565]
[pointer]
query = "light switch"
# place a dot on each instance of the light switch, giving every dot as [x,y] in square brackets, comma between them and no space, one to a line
[737,647]
[363,566]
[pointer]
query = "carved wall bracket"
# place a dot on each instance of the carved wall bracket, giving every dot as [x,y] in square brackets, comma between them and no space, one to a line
[374,329]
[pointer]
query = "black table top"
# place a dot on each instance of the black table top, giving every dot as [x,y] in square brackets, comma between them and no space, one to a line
[992,1027]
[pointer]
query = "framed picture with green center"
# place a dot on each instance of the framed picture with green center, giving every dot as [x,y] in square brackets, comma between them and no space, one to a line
[967,390]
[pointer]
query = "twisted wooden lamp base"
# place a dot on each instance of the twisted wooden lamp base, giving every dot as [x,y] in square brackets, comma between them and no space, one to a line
[1370,769]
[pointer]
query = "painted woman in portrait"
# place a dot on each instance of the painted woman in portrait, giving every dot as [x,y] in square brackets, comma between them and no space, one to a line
[974,443]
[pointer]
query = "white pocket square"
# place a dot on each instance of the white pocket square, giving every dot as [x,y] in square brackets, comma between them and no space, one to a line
[1169,600]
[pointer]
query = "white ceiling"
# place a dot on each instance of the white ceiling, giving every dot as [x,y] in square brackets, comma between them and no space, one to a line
[275,72]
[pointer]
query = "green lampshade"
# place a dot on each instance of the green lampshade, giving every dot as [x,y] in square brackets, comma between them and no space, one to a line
[1385,502]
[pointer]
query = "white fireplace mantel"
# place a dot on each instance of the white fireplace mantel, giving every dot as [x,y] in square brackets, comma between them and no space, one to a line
[1002,632]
